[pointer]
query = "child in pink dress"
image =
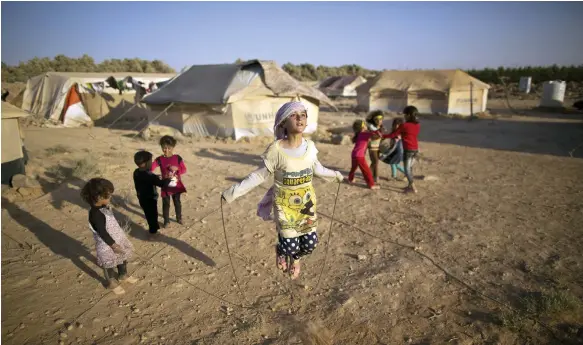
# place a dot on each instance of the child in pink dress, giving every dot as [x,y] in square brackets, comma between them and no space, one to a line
[171,165]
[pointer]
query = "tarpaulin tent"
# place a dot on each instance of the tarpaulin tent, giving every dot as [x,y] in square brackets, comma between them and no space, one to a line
[231,100]
[431,91]
[13,154]
[79,98]
[344,86]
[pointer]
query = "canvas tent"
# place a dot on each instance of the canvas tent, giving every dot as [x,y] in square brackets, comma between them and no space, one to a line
[13,154]
[344,86]
[76,99]
[431,91]
[230,100]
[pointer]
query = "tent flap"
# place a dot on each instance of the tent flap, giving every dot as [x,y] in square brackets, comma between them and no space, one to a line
[204,84]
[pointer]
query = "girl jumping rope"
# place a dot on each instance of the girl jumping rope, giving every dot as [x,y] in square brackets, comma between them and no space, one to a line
[409,132]
[293,161]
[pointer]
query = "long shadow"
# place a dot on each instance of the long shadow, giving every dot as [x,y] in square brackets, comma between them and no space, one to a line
[538,137]
[59,243]
[538,133]
[141,234]
[69,194]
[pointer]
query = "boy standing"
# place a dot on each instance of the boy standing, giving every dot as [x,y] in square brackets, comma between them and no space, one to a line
[146,182]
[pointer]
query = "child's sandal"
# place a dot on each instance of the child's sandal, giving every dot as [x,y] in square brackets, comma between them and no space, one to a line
[294,270]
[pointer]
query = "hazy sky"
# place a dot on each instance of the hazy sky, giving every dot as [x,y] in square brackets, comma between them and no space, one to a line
[375,35]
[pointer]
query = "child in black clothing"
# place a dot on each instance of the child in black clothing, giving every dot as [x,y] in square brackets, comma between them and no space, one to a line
[146,182]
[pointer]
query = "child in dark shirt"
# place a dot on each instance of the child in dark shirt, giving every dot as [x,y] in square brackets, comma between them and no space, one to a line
[111,243]
[146,182]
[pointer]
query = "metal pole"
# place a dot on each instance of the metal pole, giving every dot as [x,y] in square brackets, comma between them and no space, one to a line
[471,99]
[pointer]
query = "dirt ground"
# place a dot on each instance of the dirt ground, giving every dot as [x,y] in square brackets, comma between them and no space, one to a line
[488,251]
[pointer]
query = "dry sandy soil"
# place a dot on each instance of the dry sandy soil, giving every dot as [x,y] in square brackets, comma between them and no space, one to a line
[488,251]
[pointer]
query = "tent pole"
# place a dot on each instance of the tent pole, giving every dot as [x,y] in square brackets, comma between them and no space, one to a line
[157,116]
[471,99]
[122,115]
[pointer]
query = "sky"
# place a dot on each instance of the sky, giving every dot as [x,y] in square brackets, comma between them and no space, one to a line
[374,35]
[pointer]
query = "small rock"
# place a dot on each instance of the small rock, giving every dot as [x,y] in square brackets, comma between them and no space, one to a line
[61,342]
[59,321]
[106,329]
[69,327]
[361,257]
[21,326]
[430,178]
[63,335]
[341,139]
[79,325]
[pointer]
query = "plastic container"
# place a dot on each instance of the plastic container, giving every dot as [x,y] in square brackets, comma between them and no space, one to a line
[525,84]
[553,94]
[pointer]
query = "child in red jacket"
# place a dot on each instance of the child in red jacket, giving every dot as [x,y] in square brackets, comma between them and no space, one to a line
[409,132]
[360,140]
[171,165]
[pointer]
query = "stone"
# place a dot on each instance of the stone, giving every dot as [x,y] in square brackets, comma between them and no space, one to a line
[361,257]
[430,178]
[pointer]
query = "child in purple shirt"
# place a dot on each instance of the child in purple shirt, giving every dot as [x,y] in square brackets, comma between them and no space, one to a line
[170,165]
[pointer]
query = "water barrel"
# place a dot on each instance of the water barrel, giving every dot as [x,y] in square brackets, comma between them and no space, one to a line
[525,84]
[553,94]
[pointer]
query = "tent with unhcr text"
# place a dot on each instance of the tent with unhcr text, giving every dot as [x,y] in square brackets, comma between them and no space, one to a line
[231,100]
[431,91]
[75,98]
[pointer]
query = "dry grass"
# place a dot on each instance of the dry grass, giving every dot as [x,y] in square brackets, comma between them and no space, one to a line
[55,150]
[552,305]
[81,169]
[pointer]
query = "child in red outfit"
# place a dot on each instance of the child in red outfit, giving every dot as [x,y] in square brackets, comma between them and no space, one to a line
[360,140]
[409,132]
[171,165]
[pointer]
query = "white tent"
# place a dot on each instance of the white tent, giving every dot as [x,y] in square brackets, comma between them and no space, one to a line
[231,100]
[77,99]
[431,91]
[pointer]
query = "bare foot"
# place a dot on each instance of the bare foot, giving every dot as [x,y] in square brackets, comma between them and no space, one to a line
[375,187]
[280,261]
[294,271]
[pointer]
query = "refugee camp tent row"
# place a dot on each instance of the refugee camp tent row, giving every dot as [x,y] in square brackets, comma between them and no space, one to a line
[231,100]
[431,91]
[13,151]
[344,86]
[76,99]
